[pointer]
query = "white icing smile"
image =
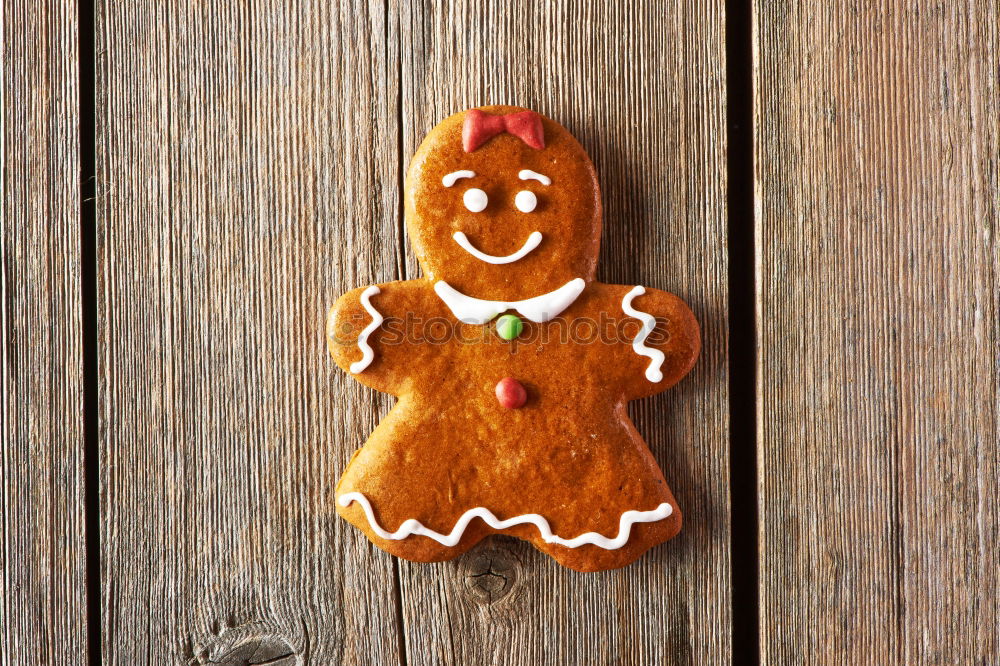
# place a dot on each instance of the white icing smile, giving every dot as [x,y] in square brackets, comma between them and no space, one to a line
[533,240]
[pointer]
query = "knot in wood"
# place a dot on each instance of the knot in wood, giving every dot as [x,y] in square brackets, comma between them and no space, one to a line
[272,650]
[491,573]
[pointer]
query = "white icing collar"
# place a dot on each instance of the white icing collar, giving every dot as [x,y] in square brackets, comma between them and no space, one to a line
[538,309]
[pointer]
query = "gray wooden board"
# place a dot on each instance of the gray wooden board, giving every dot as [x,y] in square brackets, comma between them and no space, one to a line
[43,611]
[249,169]
[642,85]
[877,183]
[247,165]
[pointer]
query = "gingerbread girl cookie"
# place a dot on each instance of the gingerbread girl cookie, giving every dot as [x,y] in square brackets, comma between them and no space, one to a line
[512,364]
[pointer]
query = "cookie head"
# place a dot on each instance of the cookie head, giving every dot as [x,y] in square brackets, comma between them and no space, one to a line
[503,203]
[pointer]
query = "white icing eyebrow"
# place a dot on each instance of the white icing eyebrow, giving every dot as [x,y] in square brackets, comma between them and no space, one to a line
[450,178]
[528,174]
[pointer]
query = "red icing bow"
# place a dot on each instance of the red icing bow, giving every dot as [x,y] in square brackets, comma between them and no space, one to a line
[480,127]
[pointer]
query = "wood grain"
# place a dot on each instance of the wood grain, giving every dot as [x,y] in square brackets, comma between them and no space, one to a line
[249,165]
[877,185]
[43,611]
[642,86]
[247,168]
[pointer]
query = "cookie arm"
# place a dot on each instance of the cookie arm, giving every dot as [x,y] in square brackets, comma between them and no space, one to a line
[667,344]
[360,331]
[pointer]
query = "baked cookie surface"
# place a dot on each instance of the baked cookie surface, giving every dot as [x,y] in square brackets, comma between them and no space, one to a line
[512,364]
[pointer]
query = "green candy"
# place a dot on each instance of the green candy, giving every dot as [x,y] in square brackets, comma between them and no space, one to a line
[509,327]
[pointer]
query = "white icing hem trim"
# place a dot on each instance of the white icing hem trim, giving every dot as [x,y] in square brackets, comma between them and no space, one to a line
[539,309]
[367,353]
[413,526]
[655,356]
[533,240]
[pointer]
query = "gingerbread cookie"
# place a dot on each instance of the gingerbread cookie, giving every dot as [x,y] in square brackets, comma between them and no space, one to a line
[512,364]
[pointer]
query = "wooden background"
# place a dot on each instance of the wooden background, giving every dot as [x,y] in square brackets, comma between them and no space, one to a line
[248,165]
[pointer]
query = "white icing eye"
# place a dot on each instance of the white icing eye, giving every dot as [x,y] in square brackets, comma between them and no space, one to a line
[525,201]
[475,200]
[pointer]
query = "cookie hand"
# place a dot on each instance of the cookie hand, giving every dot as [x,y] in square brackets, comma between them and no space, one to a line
[666,345]
[357,333]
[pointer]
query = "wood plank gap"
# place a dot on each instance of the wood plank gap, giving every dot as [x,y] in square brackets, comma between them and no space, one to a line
[401,274]
[400,617]
[401,164]
[742,333]
[88,301]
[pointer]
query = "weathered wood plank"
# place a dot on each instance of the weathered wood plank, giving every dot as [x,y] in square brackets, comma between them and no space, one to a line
[877,176]
[43,612]
[247,167]
[642,86]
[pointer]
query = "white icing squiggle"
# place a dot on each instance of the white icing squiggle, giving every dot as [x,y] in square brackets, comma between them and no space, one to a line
[451,178]
[655,356]
[413,526]
[367,353]
[528,174]
[533,240]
